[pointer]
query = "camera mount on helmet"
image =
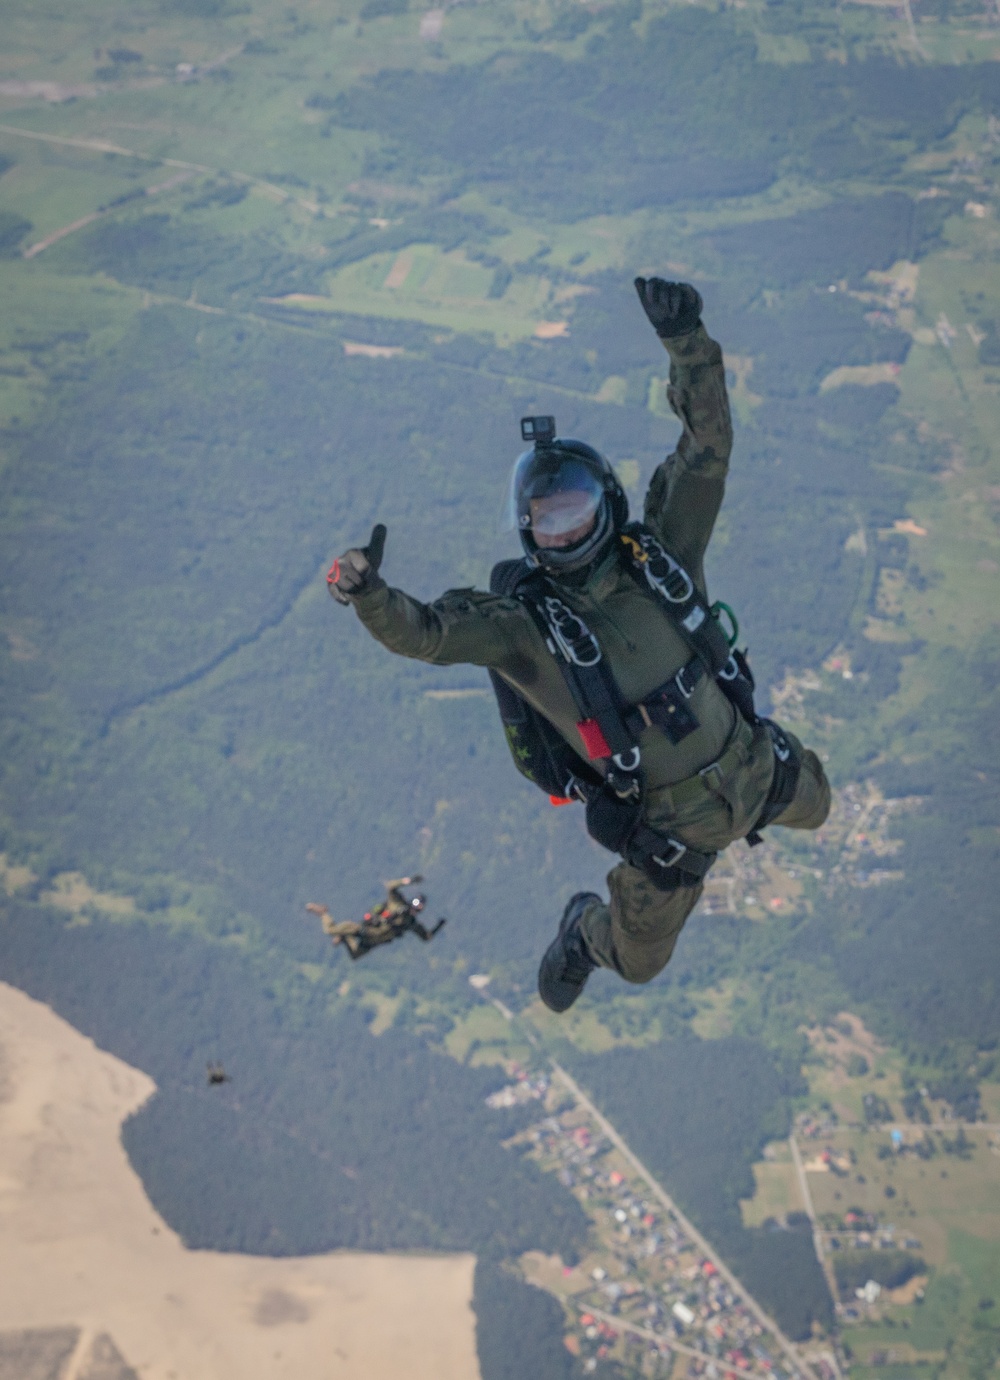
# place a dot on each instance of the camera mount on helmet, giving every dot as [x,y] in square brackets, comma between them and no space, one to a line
[540,431]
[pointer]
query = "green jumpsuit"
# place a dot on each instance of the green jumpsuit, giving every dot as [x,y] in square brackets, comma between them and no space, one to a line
[391,921]
[708,789]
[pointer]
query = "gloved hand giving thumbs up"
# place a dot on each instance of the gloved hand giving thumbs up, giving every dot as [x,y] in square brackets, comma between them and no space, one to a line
[357,570]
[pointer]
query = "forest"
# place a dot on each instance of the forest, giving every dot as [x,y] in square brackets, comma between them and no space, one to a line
[326,1137]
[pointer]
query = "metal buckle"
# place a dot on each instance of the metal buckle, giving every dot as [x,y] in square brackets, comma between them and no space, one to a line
[627,761]
[782,748]
[674,571]
[679,682]
[573,790]
[557,615]
[730,674]
[679,850]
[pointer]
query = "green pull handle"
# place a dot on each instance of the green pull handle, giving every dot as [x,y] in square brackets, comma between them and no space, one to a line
[719,608]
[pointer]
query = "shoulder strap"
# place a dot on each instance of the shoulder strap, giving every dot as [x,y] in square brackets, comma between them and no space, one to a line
[652,565]
[507,577]
[539,751]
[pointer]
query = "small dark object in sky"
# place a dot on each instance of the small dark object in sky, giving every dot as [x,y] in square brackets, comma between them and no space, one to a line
[215,1073]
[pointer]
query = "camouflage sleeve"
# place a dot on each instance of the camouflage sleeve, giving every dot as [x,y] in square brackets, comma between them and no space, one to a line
[463,626]
[686,491]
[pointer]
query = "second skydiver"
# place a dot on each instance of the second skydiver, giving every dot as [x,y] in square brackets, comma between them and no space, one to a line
[397,916]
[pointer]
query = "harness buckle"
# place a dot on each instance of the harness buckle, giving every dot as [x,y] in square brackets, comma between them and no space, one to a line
[731,669]
[679,681]
[627,761]
[571,634]
[574,790]
[663,573]
[780,745]
[679,849]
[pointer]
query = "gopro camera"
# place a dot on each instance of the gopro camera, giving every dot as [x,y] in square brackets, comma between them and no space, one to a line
[540,430]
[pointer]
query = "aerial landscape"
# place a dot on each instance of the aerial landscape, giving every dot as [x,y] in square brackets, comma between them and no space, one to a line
[272,274]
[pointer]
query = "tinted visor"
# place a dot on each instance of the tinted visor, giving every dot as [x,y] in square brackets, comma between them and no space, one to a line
[554,493]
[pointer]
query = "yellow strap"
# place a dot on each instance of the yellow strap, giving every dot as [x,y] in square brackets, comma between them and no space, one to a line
[637,552]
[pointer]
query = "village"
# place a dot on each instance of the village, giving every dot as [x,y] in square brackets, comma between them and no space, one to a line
[647,1295]
[854,847]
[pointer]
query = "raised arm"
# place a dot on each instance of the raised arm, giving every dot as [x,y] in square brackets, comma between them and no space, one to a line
[686,491]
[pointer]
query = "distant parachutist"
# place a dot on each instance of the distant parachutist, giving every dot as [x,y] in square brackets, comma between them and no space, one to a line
[215,1073]
[395,917]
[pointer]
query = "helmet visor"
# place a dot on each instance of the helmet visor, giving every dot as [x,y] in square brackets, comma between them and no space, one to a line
[558,514]
[553,494]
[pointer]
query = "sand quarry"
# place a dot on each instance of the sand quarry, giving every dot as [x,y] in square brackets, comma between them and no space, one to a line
[97,1287]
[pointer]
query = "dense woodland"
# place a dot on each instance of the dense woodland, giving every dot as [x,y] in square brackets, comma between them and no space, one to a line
[325,1137]
[518,1328]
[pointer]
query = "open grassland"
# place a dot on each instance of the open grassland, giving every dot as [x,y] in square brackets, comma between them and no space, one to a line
[930,1185]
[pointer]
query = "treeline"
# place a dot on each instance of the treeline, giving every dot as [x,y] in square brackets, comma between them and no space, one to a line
[518,1328]
[890,1269]
[698,1113]
[326,1137]
[923,955]
[569,138]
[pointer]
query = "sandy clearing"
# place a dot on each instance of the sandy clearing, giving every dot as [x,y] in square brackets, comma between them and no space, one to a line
[81,1246]
[864,375]
[400,270]
[551,330]
[46,90]
[431,24]
[354,347]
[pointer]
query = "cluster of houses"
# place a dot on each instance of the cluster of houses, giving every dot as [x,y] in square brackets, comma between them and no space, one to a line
[645,1286]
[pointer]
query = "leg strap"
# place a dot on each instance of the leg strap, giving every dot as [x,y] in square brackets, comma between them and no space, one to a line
[784,782]
[619,826]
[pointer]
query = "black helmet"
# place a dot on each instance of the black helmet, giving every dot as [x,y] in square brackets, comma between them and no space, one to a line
[583,491]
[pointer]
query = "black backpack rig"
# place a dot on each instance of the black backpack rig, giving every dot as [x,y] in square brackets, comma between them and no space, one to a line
[610,727]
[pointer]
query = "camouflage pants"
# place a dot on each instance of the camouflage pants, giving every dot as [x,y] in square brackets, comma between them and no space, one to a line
[636,931]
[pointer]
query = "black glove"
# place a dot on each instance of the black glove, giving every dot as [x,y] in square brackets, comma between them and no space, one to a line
[356,570]
[672,308]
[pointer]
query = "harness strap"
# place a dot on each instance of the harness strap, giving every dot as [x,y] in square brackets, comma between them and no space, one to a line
[620,826]
[667,708]
[784,782]
[666,861]
[602,726]
[677,594]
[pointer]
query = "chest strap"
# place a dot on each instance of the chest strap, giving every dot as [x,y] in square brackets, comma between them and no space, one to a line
[667,707]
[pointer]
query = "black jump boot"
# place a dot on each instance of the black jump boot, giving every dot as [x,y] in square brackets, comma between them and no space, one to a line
[567,965]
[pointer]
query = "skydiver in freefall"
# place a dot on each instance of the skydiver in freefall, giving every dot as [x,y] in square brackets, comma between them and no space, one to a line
[398,915]
[617,681]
